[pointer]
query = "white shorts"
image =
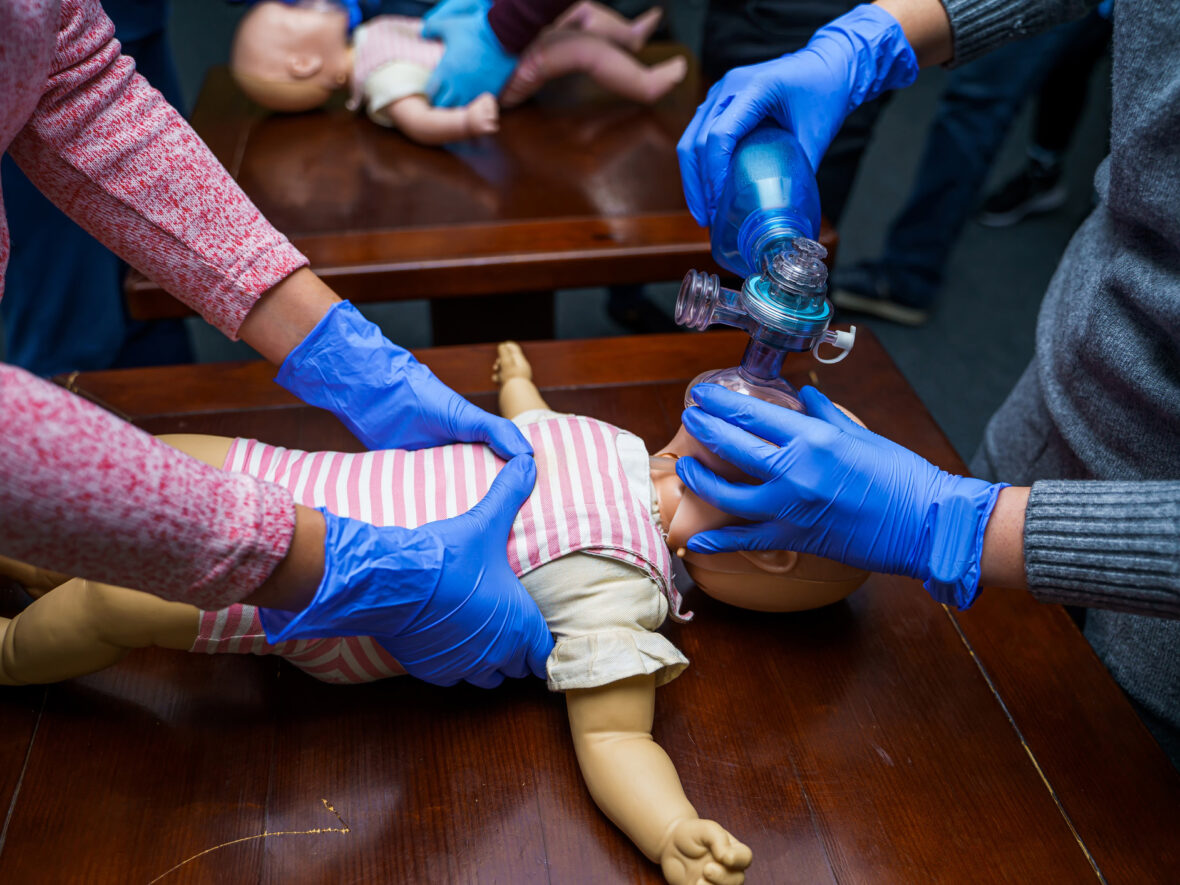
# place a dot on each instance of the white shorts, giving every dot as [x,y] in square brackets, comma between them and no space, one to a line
[603,613]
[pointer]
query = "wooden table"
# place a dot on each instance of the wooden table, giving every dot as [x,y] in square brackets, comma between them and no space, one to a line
[884,739]
[579,188]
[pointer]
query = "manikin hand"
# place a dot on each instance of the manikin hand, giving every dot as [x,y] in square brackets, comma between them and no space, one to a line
[385,396]
[474,60]
[702,852]
[835,489]
[848,62]
[440,598]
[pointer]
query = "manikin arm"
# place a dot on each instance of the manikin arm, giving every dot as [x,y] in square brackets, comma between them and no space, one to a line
[425,124]
[636,785]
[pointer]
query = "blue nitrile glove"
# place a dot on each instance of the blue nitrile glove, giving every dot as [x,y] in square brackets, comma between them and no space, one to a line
[385,396]
[440,598]
[832,488]
[846,63]
[474,61]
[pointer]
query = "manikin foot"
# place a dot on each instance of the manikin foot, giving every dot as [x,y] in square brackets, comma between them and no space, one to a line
[642,27]
[702,852]
[659,79]
[510,363]
[483,115]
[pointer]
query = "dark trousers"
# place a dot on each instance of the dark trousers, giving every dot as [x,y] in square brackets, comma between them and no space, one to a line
[975,112]
[63,304]
[741,32]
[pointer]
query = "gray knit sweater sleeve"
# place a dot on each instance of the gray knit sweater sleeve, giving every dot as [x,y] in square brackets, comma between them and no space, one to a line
[1104,544]
[979,26]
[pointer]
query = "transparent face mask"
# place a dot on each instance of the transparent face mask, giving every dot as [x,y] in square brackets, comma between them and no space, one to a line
[783,308]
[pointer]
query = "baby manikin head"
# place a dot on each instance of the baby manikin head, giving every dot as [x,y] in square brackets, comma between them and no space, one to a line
[292,56]
[763,580]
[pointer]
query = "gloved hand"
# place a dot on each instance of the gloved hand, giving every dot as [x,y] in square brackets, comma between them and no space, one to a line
[440,598]
[385,396]
[832,488]
[474,61]
[846,63]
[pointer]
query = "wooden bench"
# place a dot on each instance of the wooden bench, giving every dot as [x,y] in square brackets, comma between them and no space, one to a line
[578,189]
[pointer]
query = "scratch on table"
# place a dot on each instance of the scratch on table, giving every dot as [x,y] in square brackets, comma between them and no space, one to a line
[342,829]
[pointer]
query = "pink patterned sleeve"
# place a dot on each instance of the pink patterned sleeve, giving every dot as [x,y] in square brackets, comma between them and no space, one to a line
[84,493]
[106,148]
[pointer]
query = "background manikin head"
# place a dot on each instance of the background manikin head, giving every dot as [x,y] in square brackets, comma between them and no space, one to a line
[762,580]
[292,57]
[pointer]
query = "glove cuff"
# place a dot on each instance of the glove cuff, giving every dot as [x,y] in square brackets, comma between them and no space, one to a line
[879,55]
[955,525]
[334,366]
[348,601]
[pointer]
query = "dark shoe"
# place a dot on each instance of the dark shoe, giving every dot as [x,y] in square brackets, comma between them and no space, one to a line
[1037,189]
[864,289]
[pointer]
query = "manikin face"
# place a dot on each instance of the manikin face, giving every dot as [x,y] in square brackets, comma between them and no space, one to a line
[292,57]
[771,580]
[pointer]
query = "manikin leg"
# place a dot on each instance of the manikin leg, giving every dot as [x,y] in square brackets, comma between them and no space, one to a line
[594,18]
[629,775]
[515,376]
[557,53]
[635,784]
[83,626]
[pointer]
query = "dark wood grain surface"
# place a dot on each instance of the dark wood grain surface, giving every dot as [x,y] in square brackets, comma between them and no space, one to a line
[884,739]
[579,188]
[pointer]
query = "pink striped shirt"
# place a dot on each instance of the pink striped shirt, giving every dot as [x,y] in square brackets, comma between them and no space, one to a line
[81,492]
[583,502]
[386,39]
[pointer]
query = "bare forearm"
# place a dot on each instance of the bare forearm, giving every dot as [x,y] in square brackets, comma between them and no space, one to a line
[293,583]
[285,313]
[926,27]
[86,494]
[1002,562]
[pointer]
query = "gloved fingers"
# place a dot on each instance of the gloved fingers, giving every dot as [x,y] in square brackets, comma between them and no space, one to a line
[733,115]
[819,406]
[443,95]
[523,643]
[760,536]
[775,424]
[485,678]
[472,423]
[738,498]
[538,643]
[510,489]
[737,446]
[689,150]
[531,640]
[434,84]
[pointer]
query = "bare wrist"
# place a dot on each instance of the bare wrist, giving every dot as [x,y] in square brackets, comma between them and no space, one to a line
[926,27]
[293,583]
[1002,561]
[285,314]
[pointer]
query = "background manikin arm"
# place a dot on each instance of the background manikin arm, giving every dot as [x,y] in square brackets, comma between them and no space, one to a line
[424,123]
[636,786]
